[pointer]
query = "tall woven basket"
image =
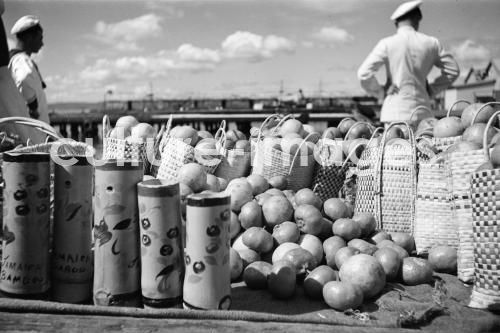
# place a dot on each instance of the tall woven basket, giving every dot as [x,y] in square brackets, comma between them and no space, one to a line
[485,195]
[234,163]
[444,143]
[365,176]
[460,166]
[396,183]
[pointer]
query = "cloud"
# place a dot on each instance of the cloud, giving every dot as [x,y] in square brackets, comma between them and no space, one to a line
[469,52]
[190,53]
[332,34]
[124,35]
[253,47]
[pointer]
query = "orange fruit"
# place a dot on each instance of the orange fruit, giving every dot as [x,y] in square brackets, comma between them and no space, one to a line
[282,249]
[390,244]
[316,280]
[312,244]
[279,182]
[238,243]
[326,229]
[443,259]
[416,271]
[362,246]
[248,256]
[222,183]
[308,219]
[234,225]
[212,183]
[343,254]
[277,209]
[255,275]
[275,191]
[346,228]
[193,175]
[390,261]
[379,236]
[342,295]
[365,272]
[241,193]
[405,240]
[291,126]
[258,239]
[261,198]
[302,260]
[330,248]
[286,232]
[184,191]
[282,280]
[307,196]
[251,215]
[335,209]
[235,263]
[259,184]
[367,223]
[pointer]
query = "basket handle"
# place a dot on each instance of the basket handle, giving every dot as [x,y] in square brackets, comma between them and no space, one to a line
[485,134]
[220,135]
[35,123]
[297,152]
[344,120]
[352,152]
[106,126]
[420,107]
[285,118]
[370,126]
[265,122]
[456,103]
[323,137]
[480,109]
[378,170]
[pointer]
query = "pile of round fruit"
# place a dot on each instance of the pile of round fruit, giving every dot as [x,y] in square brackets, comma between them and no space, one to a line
[282,238]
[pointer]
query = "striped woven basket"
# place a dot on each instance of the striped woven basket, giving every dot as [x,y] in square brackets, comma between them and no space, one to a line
[434,224]
[123,149]
[234,163]
[396,183]
[257,144]
[485,199]
[365,176]
[444,143]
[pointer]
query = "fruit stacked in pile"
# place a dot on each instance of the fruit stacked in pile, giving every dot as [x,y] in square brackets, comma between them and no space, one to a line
[282,238]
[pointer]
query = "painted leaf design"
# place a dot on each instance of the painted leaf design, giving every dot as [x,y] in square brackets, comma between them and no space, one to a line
[210,260]
[122,224]
[166,271]
[163,285]
[226,259]
[73,212]
[194,278]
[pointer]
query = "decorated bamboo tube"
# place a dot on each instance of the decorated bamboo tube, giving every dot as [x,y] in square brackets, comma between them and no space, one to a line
[72,262]
[207,284]
[162,255]
[116,234]
[25,269]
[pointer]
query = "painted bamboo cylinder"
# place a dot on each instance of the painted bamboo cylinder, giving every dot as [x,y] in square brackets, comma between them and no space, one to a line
[162,258]
[116,234]
[207,283]
[72,262]
[25,269]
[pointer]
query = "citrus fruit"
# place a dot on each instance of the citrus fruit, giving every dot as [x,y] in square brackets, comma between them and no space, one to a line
[251,215]
[343,254]
[403,239]
[255,275]
[362,246]
[282,280]
[282,249]
[258,239]
[341,296]
[326,229]
[302,260]
[279,182]
[346,228]
[390,244]
[390,261]
[241,193]
[379,236]
[316,280]
[259,184]
[443,259]
[365,272]
[312,244]
[335,209]
[367,223]
[286,232]
[235,263]
[234,225]
[193,175]
[238,243]
[330,247]
[307,196]
[309,219]
[416,271]
[212,183]
[248,256]
[276,210]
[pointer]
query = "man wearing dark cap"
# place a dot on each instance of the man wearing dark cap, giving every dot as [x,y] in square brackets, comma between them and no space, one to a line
[408,57]
[29,40]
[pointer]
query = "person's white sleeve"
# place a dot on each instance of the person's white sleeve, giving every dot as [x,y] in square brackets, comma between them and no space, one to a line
[449,71]
[369,68]
[24,73]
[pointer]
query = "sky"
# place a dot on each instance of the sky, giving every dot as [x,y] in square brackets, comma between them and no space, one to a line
[233,48]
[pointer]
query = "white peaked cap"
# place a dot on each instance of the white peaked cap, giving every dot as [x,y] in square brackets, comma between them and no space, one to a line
[24,23]
[405,8]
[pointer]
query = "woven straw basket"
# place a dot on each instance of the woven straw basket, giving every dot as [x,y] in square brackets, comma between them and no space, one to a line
[365,177]
[485,197]
[396,183]
[270,162]
[460,166]
[443,143]
[122,149]
[234,163]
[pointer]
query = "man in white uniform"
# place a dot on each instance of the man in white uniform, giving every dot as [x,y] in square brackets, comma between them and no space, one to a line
[29,40]
[408,57]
